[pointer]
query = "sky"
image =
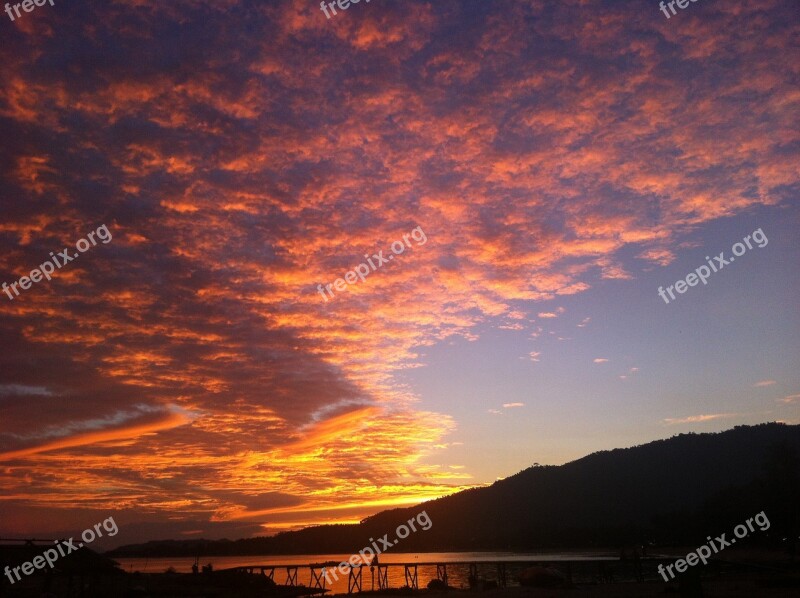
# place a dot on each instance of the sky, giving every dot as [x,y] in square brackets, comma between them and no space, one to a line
[215,164]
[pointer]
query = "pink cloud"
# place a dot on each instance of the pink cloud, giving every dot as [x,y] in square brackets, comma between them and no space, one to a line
[694,419]
[764,383]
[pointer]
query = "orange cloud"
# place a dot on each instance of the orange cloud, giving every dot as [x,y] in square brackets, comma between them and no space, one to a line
[172,420]
[274,168]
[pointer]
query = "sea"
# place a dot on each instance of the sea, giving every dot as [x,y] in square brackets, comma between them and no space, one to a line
[425,561]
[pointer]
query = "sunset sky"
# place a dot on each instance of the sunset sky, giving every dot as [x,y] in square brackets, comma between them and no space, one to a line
[564,160]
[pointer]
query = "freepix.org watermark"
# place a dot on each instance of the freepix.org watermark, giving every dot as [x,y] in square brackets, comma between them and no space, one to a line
[402,531]
[47,268]
[27,6]
[65,547]
[703,272]
[702,553]
[682,4]
[362,270]
[343,5]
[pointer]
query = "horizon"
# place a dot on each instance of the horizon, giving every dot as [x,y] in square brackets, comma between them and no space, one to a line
[532,466]
[265,268]
[114,545]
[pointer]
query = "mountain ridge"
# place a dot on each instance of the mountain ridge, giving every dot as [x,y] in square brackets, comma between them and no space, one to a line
[664,491]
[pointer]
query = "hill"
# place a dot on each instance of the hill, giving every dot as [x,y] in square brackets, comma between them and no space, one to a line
[663,493]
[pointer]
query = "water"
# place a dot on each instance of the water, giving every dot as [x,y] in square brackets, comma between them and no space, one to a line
[457,575]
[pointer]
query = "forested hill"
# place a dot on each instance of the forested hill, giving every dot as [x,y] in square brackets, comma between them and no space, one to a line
[665,492]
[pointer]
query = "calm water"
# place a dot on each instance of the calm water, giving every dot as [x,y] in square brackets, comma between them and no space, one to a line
[457,575]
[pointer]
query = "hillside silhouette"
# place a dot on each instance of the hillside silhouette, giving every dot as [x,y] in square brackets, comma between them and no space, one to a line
[662,493]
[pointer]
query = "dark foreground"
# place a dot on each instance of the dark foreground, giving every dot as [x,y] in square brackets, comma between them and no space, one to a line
[731,585]
[743,574]
[737,586]
[162,585]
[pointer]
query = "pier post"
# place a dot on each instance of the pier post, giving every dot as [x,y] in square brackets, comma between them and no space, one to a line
[317,579]
[411,576]
[354,579]
[291,576]
[501,575]
[383,577]
[441,573]
[473,575]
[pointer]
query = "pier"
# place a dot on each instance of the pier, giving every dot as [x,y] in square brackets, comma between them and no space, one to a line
[377,576]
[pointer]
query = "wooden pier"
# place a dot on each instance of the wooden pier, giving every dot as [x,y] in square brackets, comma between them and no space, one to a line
[319,572]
